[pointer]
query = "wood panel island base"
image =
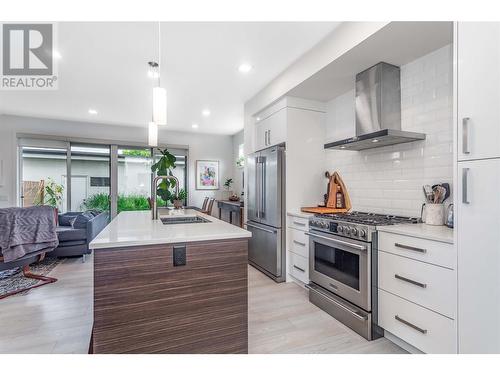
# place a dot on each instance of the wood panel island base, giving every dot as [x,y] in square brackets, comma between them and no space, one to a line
[185,297]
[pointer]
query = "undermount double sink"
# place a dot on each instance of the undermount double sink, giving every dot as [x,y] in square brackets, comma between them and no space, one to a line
[183,220]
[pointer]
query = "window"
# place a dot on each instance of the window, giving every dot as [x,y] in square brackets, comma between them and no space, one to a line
[91,184]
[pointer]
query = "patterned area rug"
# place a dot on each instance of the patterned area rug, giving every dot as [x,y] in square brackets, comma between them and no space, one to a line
[12,280]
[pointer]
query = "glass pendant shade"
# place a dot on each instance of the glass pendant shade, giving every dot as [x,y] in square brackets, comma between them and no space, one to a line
[160,106]
[153,134]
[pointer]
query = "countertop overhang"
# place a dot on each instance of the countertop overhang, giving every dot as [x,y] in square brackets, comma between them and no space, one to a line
[136,228]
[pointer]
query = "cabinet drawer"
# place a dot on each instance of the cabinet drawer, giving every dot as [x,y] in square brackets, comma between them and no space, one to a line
[434,252]
[299,223]
[298,242]
[425,284]
[299,267]
[418,326]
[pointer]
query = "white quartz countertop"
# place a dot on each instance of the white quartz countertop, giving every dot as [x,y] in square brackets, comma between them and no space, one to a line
[298,213]
[135,228]
[430,232]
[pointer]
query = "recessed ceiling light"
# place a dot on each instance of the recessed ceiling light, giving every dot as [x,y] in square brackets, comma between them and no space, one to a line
[245,68]
[205,112]
[92,111]
[194,126]
[56,55]
[258,118]
[342,147]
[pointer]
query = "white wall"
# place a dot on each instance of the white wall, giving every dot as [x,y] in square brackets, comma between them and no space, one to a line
[238,139]
[201,146]
[389,179]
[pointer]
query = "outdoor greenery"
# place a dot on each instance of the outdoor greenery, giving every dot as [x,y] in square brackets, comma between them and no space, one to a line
[164,167]
[240,162]
[51,194]
[137,153]
[132,202]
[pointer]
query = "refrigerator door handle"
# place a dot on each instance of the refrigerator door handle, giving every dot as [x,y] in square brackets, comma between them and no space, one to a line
[257,185]
[263,189]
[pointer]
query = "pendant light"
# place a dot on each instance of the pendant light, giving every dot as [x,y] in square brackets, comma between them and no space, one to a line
[159,93]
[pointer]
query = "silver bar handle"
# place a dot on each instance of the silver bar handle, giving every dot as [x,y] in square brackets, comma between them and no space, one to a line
[299,243]
[405,279]
[345,243]
[337,303]
[411,325]
[299,223]
[269,137]
[265,138]
[465,184]
[260,228]
[412,248]
[263,189]
[465,135]
[298,268]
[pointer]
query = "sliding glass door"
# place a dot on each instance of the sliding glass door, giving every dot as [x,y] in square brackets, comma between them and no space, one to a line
[90,176]
[42,173]
[134,178]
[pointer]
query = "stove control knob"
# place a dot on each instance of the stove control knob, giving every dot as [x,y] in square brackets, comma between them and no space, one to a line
[340,229]
[362,233]
[324,225]
[354,232]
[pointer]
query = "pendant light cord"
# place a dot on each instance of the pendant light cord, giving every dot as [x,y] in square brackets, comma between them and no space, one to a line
[159,52]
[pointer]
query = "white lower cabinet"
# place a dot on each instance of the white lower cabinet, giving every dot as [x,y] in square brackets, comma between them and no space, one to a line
[299,267]
[424,284]
[426,330]
[298,248]
[417,300]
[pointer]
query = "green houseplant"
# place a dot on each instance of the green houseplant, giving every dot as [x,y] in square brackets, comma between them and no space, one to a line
[164,167]
[228,184]
[180,198]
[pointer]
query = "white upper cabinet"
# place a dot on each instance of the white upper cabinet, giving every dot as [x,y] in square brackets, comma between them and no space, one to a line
[478,245]
[271,130]
[478,89]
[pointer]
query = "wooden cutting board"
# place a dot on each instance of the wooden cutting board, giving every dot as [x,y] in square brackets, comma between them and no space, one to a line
[323,210]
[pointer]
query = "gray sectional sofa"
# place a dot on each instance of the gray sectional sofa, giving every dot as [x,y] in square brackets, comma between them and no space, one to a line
[76,230]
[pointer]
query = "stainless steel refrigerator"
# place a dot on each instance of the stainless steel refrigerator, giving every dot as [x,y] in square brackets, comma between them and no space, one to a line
[266,217]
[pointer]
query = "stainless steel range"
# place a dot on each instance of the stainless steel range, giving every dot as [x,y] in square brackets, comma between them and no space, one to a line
[343,267]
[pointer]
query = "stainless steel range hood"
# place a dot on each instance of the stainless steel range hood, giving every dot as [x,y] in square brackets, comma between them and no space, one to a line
[378,111]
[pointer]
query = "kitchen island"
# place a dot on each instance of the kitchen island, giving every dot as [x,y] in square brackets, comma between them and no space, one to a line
[179,287]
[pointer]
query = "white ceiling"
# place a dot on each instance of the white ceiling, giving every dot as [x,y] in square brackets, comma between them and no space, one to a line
[104,66]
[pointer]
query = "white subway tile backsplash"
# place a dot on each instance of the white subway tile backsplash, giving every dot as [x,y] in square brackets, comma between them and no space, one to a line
[389,179]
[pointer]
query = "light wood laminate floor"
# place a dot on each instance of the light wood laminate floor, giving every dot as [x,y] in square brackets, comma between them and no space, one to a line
[57,318]
[282,320]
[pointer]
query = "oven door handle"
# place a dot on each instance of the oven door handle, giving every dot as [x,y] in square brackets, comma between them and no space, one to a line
[339,242]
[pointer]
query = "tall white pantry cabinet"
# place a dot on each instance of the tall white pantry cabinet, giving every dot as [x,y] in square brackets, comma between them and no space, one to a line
[477,94]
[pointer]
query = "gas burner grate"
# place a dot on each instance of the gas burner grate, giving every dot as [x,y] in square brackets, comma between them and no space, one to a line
[370,218]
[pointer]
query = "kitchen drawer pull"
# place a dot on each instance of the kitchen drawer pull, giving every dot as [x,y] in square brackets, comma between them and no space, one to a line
[405,322]
[412,248]
[299,223]
[422,285]
[298,268]
[465,135]
[299,243]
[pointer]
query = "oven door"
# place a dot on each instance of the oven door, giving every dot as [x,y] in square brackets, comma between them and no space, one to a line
[342,266]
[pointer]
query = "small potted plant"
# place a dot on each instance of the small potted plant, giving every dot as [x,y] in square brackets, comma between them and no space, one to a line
[180,199]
